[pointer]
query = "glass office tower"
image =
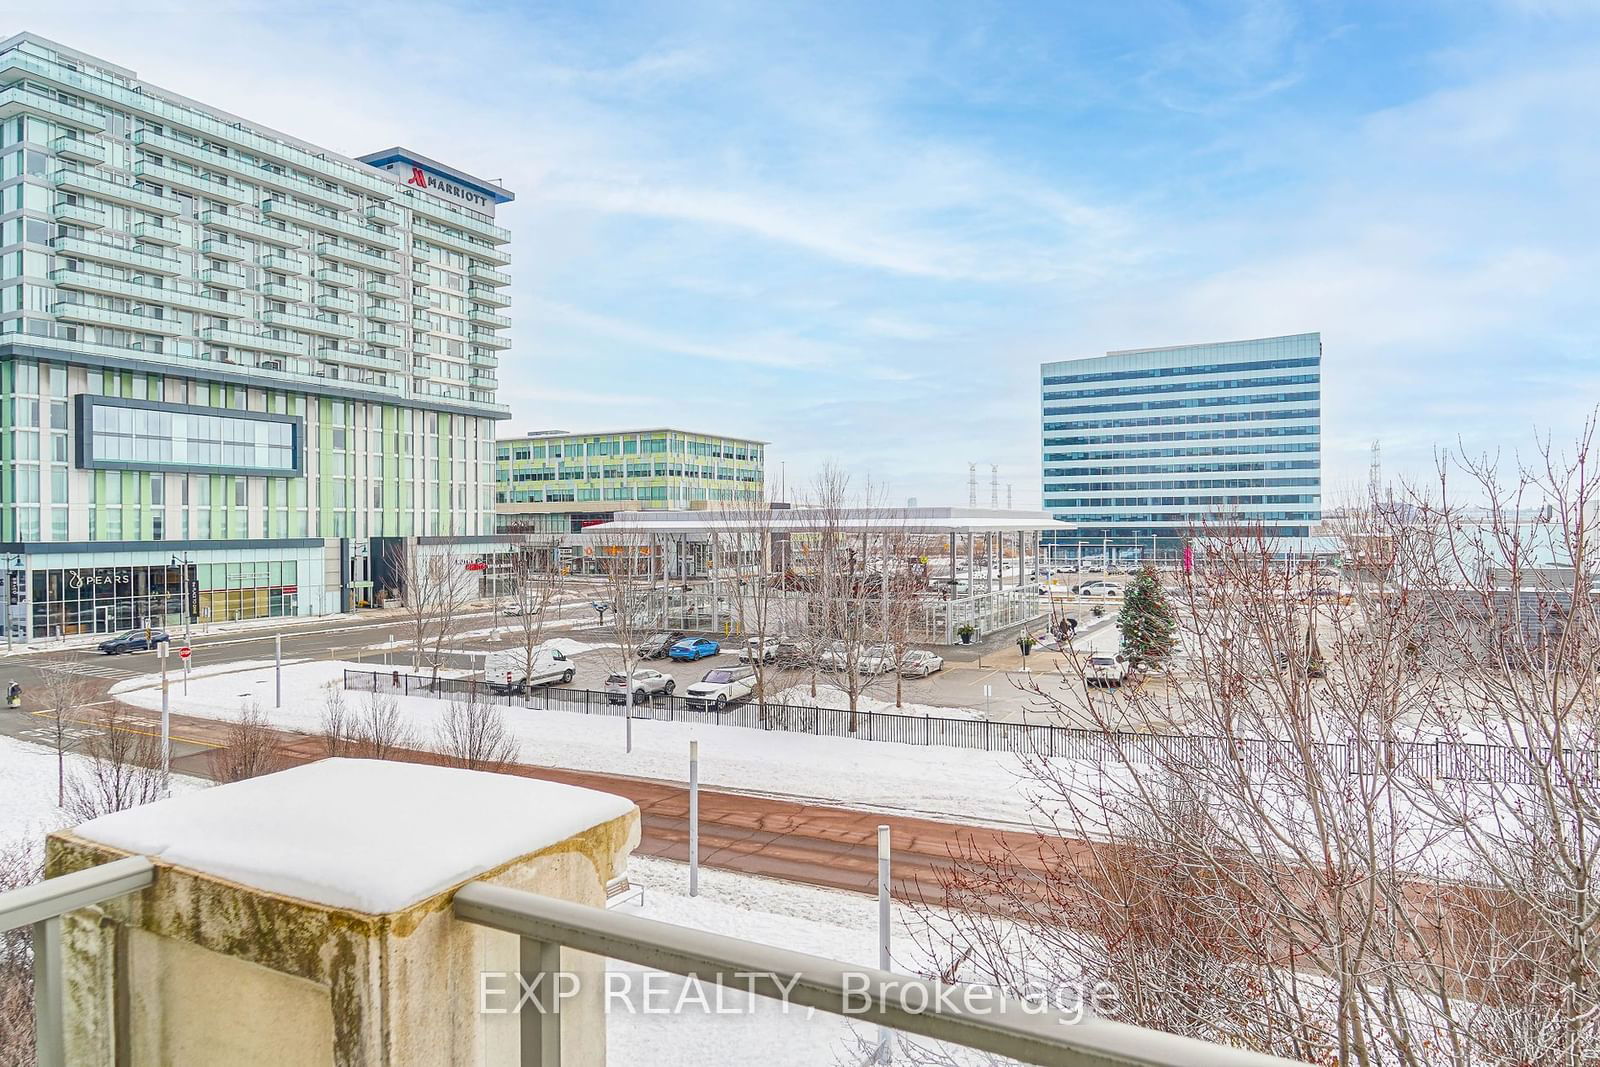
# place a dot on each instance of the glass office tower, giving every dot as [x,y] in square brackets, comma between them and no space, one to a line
[1142,446]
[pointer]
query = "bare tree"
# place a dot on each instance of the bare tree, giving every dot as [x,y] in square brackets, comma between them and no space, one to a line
[382,730]
[626,561]
[473,735]
[538,583]
[123,767]
[338,734]
[20,865]
[436,586]
[251,747]
[762,607]
[63,695]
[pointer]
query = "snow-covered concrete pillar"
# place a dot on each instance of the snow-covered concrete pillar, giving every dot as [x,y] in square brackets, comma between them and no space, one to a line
[305,917]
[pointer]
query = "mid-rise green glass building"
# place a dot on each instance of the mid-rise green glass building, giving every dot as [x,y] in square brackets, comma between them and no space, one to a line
[235,366]
[553,481]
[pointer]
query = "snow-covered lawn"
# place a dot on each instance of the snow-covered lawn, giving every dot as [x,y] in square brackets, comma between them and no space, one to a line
[28,808]
[935,781]
[880,698]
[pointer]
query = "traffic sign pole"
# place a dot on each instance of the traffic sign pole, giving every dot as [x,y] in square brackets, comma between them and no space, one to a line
[183,654]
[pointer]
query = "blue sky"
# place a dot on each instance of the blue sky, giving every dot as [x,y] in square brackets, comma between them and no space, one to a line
[855,230]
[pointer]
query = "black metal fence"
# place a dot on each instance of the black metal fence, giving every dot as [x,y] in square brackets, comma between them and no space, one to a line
[1445,760]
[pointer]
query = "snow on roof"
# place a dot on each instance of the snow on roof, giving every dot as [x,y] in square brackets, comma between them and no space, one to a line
[366,835]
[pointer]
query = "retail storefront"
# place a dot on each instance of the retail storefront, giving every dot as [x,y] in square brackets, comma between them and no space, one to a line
[108,592]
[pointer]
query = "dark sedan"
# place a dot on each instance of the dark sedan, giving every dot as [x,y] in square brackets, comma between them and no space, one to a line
[133,641]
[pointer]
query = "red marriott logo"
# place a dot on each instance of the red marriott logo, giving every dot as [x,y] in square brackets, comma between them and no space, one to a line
[419,179]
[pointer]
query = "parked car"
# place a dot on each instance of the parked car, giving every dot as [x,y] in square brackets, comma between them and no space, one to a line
[1098,589]
[507,671]
[836,656]
[657,645]
[646,684]
[877,659]
[693,648]
[764,649]
[1104,668]
[133,641]
[721,687]
[919,664]
[511,607]
[794,654]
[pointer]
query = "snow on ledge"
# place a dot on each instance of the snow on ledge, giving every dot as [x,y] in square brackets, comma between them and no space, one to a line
[365,835]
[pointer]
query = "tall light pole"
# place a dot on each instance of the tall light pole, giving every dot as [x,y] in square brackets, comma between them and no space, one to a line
[183,562]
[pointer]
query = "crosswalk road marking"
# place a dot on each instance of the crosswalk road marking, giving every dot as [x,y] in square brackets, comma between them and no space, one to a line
[100,670]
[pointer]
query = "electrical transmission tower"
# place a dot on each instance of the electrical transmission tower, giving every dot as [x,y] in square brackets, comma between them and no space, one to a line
[1375,474]
[994,486]
[1008,496]
[972,485]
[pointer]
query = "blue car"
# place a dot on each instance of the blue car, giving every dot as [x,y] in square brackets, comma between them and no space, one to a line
[693,648]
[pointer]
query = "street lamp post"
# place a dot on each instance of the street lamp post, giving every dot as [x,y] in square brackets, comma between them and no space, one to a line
[9,566]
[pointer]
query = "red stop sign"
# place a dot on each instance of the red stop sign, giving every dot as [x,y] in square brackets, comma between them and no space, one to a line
[183,653]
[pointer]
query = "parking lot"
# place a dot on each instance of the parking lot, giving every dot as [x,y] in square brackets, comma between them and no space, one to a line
[988,683]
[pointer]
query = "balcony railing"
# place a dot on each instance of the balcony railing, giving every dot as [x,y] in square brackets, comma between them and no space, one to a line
[346,254]
[487,275]
[157,233]
[437,234]
[79,215]
[249,172]
[222,220]
[329,223]
[82,149]
[72,311]
[387,290]
[185,179]
[998,1025]
[102,252]
[66,278]
[80,182]
[19,98]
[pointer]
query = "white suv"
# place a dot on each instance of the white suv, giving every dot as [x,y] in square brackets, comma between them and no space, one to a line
[720,687]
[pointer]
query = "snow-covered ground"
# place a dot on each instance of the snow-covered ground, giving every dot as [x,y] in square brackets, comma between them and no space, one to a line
[879,698]
[28,808]
[930,780]
[822,922]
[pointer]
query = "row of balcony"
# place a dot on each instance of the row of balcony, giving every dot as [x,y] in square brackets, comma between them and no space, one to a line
[194,183]
[79,149]
[346,254]
[17,99]
[19,64]
[487,296]
[144,292]
[434,208]
[77,181]
[245,171]
[438,235]
[74,311]
[329,224]
[103,252]
[224,220]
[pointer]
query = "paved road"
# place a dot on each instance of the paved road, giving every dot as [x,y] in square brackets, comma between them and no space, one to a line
[768,836]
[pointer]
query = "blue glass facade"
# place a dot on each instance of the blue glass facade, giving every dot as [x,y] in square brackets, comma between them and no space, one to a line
[1142,446]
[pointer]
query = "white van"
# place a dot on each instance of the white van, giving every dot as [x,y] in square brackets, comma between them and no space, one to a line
[506,670]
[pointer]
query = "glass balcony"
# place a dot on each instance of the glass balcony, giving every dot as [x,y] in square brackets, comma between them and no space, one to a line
[387,338]
[183,179]
[420,299]
[78,181]
[485,295]
[283,291]
[68,311]
[80,149]
[157,233]
[282,346]
[144,292]
[278,261]
[383,313]
[383,216]
[438,235]
[488,340]
[223,277]
[79,215]
[420,343]
[346,254]
[169,113]
[336,302]
[483,381]
[386,290]
[483,359]
[358,358]
[253,173]
[338,276]
[488,276]
[101,252]
[326,327]
[329,224]
[488,318]
[19,99]
[422,204]
[221,249]
[222,220]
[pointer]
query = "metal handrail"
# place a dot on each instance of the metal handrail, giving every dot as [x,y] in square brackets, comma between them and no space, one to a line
[41,906]
[1028,1033]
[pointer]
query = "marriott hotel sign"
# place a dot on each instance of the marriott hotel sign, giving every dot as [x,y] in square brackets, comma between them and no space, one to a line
[439,185]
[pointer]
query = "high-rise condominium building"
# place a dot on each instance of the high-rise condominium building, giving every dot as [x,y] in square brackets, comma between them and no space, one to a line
[236,367]
[1143,446]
